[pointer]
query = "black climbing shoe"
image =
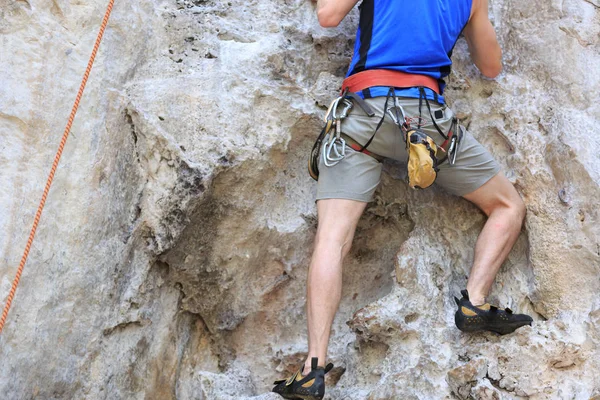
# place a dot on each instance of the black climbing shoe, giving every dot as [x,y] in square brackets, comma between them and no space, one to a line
[470,318]
[309,387]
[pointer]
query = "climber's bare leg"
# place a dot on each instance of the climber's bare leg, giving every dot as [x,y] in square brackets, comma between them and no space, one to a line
[337,222]
[505,209]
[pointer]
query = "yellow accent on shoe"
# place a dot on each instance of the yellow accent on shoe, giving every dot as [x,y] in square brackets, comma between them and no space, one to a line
[484,307]
[309,383]
[296,377]
[468,312]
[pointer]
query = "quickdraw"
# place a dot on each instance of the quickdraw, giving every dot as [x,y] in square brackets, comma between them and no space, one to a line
[334,146]
[331,143]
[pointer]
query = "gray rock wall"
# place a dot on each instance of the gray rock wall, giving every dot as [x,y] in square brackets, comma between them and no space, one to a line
[171,257]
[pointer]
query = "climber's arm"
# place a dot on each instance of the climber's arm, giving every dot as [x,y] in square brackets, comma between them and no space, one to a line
[481,37]
[332,12]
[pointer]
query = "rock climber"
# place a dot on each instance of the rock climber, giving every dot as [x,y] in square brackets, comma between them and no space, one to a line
[392,106]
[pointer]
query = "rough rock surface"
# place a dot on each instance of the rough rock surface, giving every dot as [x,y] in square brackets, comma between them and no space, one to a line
[171,257]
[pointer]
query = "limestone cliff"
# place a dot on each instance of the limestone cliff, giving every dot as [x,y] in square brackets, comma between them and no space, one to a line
[171,258]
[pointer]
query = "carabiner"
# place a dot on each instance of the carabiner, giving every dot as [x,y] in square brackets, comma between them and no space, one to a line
[347,107]
[331,111]
[393,116]
[331,154]
[453,150]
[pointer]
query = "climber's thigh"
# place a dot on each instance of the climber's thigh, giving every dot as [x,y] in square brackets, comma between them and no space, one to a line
[337,221]
[473,168]
[355,177]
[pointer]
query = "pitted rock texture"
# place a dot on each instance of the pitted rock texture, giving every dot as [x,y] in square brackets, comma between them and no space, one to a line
[172,255]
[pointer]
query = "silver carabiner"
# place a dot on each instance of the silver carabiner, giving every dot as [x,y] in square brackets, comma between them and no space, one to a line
[331,111]
[396,106]
[331,160]
[331,154]
[347,107]
[455,144]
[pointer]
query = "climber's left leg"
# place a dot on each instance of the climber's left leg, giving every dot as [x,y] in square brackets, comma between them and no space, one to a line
[476,177]
[337,222]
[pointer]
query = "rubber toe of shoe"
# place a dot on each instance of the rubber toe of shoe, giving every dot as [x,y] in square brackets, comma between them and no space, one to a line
[516,322]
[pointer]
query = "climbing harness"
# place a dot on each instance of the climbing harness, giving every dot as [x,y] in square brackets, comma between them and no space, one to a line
[38,214]
[424,156]
[362,81]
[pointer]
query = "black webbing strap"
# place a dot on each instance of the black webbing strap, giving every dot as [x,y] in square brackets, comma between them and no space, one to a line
[432,154]
[387,98]
[419,124]
[315,152]
[404,128]
[422,96]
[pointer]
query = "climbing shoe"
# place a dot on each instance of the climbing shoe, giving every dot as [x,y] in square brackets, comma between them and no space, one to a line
[470,318]
[304,387]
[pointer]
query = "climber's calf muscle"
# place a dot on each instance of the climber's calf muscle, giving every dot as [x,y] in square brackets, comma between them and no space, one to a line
[332,12]
[481,37]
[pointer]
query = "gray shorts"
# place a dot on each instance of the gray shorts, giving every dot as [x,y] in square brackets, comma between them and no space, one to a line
[357,175]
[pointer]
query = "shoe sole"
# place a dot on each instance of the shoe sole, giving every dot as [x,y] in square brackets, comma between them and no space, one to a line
[504,330]
[300,397]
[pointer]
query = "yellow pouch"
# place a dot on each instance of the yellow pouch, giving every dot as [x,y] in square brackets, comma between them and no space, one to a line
[422,162]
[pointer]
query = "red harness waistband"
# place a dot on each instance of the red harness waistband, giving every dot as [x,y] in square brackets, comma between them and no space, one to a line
[386,77]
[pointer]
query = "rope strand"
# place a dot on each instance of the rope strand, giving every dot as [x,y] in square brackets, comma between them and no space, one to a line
[65,136]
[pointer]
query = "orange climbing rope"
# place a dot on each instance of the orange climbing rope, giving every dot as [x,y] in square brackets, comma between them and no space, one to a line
[38,214]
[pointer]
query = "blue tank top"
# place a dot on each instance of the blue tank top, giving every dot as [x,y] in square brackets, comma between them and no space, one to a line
[413,36]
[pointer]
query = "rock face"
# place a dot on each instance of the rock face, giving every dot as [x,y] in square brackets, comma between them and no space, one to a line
[172,254]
